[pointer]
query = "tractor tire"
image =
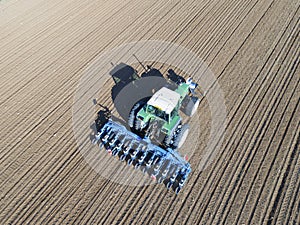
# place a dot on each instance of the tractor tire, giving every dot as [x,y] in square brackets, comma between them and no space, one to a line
[168,140]
[192,106]
[133,122]
[137,125]
[132,114]
[181,136]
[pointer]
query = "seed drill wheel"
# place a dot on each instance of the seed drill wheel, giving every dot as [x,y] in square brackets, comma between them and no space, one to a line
[122,158]
[169,185]
[181,136]
[177,189]
[94,141]
[114,152]
[137,166]
[144,169]
[130,161]
[160,180]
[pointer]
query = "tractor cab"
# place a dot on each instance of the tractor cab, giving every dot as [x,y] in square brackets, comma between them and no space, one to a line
[163,106]
[160,114]
[162,103]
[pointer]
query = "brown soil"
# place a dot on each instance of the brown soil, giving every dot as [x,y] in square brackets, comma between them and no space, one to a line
[252,47]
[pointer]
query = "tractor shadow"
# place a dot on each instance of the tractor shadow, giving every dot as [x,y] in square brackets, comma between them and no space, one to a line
[130,88]
[122,74]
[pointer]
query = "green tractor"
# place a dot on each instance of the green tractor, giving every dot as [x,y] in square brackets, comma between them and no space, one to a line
[159,116]
[157,129]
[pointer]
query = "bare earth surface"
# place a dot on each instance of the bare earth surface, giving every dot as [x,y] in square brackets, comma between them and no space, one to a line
[252,47]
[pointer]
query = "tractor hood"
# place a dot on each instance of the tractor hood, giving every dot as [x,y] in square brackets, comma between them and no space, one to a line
[165,100]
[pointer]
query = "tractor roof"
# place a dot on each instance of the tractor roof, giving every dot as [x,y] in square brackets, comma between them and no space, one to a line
[165,99]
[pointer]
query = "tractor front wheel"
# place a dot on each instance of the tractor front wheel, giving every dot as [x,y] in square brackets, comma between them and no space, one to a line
[192,106]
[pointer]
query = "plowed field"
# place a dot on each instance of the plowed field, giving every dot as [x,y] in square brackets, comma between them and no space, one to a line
[251,46]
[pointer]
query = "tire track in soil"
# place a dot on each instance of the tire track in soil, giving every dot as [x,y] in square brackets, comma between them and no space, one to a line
[154,211]
[56,46]
[170,210]
[45,95]
[255,176]
[233,170]
[284,189]
[133,200]
[286,206]
[248,132]
[295,214]
[235,178]
[256,212]
[293,189]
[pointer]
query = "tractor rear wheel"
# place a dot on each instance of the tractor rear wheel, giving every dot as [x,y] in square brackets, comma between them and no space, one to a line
[137,125]
[132,114]
[168,139]
[181,136]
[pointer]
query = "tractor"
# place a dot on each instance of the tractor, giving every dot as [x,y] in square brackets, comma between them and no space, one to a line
[156,130]
[160,115]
